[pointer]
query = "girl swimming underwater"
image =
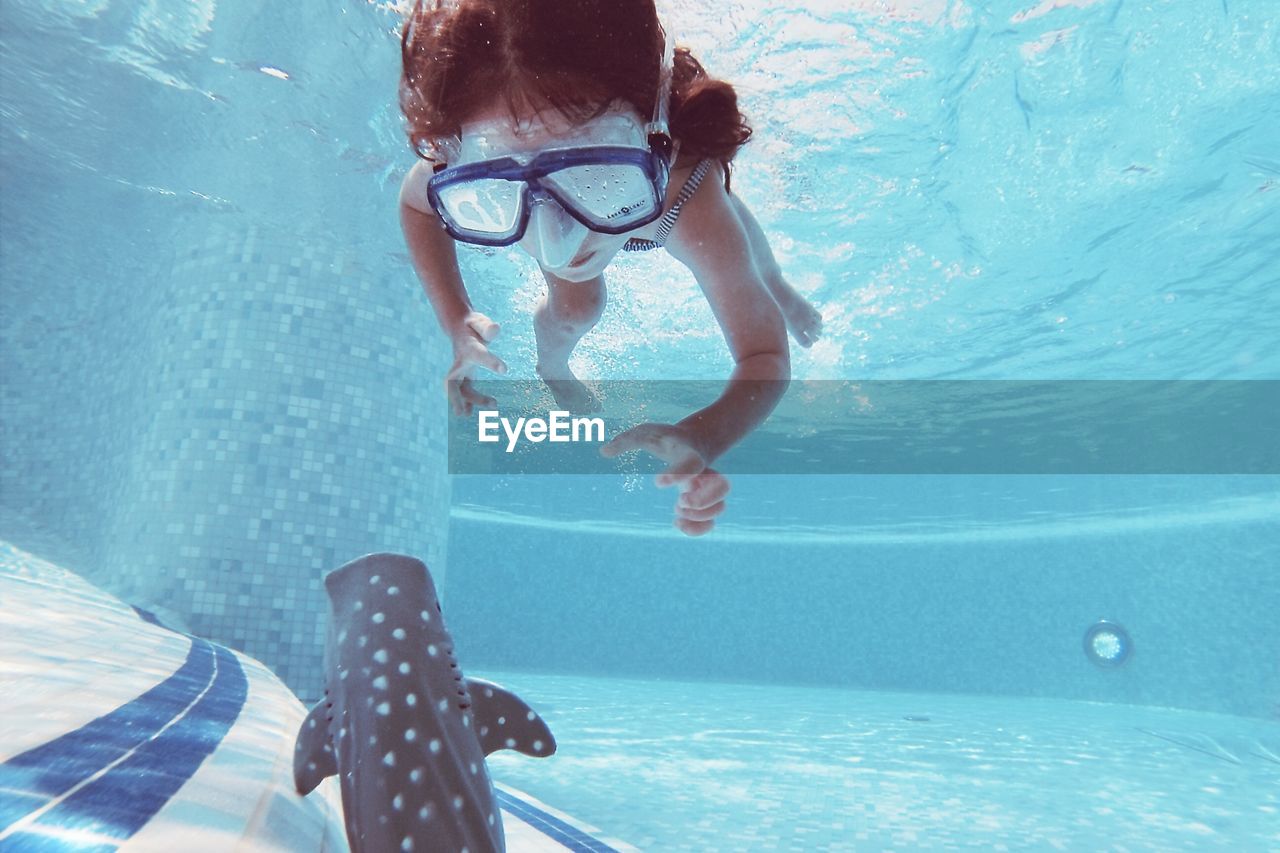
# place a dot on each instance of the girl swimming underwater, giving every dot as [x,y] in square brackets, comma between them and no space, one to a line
[572,128]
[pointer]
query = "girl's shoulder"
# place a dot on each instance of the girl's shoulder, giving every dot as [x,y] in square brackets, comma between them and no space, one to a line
[679,184]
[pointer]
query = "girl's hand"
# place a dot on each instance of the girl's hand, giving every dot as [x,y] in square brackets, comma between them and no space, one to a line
[471,350]
[702,489]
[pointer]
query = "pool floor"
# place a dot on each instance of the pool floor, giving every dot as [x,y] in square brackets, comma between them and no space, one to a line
[699,766]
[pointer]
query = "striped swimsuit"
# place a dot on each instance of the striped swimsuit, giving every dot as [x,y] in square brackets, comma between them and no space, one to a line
[668,220]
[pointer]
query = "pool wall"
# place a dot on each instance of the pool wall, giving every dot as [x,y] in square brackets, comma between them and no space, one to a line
[1005,617]
[214,427]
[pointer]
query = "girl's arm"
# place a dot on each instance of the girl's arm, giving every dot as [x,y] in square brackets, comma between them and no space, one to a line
[435,259]
[711,240]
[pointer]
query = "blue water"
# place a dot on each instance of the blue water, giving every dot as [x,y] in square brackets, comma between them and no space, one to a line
[1069,190]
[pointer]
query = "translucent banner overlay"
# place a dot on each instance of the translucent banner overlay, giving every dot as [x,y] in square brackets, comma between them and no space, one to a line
[899,427]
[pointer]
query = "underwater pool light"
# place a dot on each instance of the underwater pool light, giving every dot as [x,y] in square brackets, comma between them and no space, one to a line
[1107,644]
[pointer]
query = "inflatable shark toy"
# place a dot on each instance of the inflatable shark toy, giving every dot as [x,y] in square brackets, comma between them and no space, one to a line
[402,727]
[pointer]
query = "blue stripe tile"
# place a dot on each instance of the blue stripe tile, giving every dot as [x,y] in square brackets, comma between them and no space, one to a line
[121,802]
[552,826]
[53,768]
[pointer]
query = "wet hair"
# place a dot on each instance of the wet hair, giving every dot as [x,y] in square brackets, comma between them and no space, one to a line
[573,56]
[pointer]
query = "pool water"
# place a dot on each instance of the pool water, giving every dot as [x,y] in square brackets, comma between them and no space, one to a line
[221,380]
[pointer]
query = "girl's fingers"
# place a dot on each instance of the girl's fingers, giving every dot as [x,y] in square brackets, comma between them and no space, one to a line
[704,514]
[487,360]
[475,397]
[693,528]
[707,488]
[494,363]
[485,328]
[453,390]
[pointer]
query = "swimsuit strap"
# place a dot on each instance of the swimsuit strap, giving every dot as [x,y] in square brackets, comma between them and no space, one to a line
[668,220]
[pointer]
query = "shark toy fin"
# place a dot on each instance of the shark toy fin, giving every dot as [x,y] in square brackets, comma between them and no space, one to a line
[504,721]
[313,757]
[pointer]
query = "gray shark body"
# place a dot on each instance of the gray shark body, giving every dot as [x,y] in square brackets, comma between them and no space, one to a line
[402,727]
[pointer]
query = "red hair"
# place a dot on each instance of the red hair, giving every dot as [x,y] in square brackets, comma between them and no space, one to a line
[576,56]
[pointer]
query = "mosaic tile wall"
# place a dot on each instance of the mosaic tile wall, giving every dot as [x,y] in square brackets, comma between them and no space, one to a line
[216,431]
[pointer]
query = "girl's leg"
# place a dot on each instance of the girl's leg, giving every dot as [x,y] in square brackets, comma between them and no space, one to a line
[803,320]
[567,312]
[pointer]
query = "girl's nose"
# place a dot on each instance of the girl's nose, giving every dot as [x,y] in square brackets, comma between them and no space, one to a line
[553,237]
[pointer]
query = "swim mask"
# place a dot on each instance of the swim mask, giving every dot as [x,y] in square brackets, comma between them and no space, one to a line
[601,176]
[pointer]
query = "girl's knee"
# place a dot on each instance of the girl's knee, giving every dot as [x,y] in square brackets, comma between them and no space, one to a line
[577,304]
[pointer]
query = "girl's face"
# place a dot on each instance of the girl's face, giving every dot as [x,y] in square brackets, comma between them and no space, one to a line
[561,245]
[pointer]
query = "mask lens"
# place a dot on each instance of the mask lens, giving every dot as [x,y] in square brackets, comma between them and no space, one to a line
[484,205]
[610,195]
